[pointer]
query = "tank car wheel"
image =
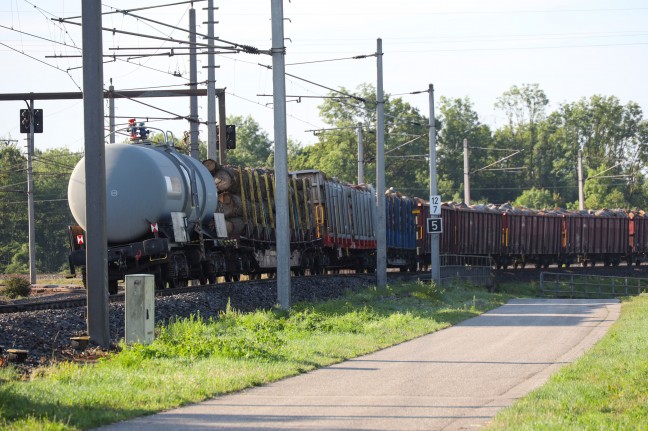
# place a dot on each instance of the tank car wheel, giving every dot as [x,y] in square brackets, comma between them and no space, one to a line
[315,268]
[112,287]
[160,283]
[84,278]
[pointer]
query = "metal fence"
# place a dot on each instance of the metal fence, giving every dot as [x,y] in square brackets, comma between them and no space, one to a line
[590,286]
[477,270]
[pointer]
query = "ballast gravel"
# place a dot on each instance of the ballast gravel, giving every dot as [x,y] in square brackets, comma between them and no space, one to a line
[46,334]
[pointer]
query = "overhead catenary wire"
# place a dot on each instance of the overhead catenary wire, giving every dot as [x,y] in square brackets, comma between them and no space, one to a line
[355,57]
[115,11]
[268,107]
[62,27]
[39,37]
[360,99]
[43,62]
[239,47]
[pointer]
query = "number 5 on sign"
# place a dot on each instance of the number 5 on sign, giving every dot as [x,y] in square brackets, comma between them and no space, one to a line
[435,205]
[435,225]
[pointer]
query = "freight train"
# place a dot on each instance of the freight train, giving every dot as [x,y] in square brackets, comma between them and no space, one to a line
[180,220]
[519,236]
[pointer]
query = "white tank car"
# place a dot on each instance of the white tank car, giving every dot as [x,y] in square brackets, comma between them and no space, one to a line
[144,185]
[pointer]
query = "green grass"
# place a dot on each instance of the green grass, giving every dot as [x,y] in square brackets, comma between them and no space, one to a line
[606,389]
[195,359]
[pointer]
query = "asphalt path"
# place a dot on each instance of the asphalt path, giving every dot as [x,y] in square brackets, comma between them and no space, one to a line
[454,379]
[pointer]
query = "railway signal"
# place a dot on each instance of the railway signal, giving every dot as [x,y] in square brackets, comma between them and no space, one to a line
[230,136]
[26,118]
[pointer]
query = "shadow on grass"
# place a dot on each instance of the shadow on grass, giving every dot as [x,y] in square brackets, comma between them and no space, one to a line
[19,411]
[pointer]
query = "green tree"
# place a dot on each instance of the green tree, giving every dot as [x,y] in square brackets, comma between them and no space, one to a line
[538,199]
[459,121]
[52,170]
[13,202]
[525,107]
[612,137]
[406,141]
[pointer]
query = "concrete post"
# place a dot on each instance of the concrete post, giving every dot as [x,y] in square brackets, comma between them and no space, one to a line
[381,223]
[193,84]
[30,196]
[466,172]
[95,174]
[211,84]
[281,154]
[111,113]
[360,156]
[222,131]
[435,264]
[581,192]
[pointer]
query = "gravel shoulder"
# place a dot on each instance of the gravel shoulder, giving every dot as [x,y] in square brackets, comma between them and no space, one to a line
[46,334]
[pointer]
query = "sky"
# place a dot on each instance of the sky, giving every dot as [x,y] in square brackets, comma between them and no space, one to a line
[465,48]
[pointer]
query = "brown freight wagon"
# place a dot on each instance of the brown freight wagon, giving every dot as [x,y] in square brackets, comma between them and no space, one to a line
[531,237]
[478,231]
[601,237]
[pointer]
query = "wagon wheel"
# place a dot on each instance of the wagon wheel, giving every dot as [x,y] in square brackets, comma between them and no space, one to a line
[112,287]
[175,283]
[160,282]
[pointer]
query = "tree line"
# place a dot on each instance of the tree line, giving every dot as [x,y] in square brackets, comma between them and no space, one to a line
[530,161]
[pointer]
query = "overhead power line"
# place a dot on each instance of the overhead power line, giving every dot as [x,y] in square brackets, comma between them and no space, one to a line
[43,62]
[355,57]
[115,11]
[39,37]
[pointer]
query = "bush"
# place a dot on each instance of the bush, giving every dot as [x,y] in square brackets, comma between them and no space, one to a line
[16,286]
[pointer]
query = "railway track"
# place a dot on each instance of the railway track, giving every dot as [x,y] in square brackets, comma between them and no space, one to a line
[501,276]
[79,299]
